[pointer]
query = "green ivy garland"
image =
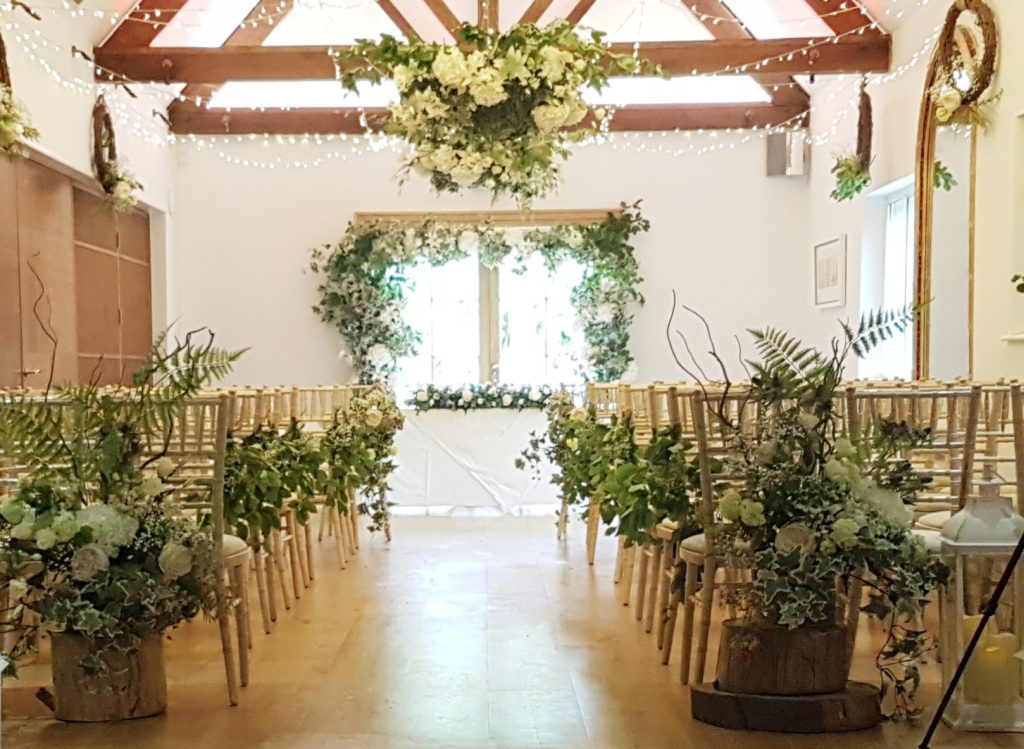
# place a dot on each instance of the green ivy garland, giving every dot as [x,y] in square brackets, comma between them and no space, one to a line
[364,284]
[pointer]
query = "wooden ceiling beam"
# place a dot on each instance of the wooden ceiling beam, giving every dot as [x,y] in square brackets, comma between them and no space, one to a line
[189,119]
[396,17]
[843,16]
[200,65]
[537,9]
[134,31]
[579,10]
[444,14]
[783,90]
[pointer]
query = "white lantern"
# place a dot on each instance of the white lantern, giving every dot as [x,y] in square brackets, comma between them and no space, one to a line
[977,542]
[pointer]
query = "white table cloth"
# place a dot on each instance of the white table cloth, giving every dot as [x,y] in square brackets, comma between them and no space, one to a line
[454,459]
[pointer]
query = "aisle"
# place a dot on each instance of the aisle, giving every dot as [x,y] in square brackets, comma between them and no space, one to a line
[463,634]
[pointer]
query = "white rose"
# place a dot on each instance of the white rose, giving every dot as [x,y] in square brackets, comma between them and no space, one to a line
[466,175]
[469,241]
[374,418]
[535,394]
[13,510]
[578,414]
[549,117]
[403,76]
[450,67]
[421,396]
[17,589]
[949,99]
[808,421]
[466,395]
[371,454]
[175,560]
[506,400]
[65,526]
[836,471]
[88,561]
[23,531]
[152,487]
[123,192]
[488,88]
[164,467]
[845,448]
[46,539]
[794,536]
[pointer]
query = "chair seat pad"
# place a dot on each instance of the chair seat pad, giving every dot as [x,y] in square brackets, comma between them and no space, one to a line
[934,520]
[697,544]
[233,546]
[932,539]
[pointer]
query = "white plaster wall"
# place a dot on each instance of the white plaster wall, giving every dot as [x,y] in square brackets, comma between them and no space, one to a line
[728,239]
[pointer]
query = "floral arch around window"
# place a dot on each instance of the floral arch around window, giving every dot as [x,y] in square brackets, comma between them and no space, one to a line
[365,281]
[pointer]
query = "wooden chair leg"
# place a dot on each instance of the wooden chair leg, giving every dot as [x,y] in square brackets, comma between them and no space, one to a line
[307,531]
[669,631]
[620,560]
[291,542]
[689,593]
[353,518]
[593,526]
[641,582]
[347,533]
[665,591]
[853,596]
[277,560]
[654,587]
[628,567]
[707,600]
[238,589]
[299,540]
[227,648]
[268,609]
[324,514]
[563,519]
[334,522]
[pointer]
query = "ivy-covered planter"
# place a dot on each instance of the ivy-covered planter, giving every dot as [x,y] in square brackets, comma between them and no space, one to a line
[129,683]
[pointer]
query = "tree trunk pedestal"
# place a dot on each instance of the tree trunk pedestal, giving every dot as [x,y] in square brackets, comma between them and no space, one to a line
[854,709]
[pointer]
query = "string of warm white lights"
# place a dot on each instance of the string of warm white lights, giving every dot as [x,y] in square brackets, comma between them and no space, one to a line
[142,123]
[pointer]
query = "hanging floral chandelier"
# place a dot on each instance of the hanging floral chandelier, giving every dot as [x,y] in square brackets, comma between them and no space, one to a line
[496,110]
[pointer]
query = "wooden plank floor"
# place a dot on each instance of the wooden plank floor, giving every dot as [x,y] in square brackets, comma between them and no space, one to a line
[464,633]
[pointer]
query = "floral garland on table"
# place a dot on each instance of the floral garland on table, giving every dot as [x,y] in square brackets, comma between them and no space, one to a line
[469,397]
[359,449]
[494,117]
[118,184]
[15,124]
[363,287]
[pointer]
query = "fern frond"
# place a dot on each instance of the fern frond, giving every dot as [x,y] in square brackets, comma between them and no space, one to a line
[877,326]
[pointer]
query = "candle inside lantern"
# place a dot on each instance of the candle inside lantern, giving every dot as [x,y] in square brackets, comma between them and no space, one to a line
[993,675]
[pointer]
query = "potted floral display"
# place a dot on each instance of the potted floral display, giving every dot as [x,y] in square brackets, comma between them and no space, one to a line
[90,547]
[818,512]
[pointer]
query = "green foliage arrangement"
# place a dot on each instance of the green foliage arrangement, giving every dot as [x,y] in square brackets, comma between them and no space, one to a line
[363,282]
[819,507]
[471,397]
[15,124]
[943,178]
[852,176]
[495,110]
[88,544]
[359,449]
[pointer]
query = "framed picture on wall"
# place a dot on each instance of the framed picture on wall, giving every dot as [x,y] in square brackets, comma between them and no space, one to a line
[830,272]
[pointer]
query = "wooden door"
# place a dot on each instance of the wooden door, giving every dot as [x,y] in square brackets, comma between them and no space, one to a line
[112,276]
[46,271]
[10,293]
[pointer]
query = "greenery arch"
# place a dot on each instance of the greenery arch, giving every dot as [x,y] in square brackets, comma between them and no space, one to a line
[364,283]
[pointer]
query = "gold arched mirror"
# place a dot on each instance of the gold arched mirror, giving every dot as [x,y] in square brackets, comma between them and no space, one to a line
[958,77]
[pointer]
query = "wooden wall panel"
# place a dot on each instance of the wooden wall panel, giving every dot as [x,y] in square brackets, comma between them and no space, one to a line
[136,310]
[10,293]
[94,221]
[133,235]
[45,244]
[98,314]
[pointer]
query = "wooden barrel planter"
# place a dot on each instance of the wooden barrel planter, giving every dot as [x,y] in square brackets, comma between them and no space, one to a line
[773,678]
[133,686]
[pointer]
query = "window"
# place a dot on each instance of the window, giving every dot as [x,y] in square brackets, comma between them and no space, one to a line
[514,324]
[895,358]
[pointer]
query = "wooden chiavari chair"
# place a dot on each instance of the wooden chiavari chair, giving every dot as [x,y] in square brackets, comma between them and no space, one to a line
[194,437]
